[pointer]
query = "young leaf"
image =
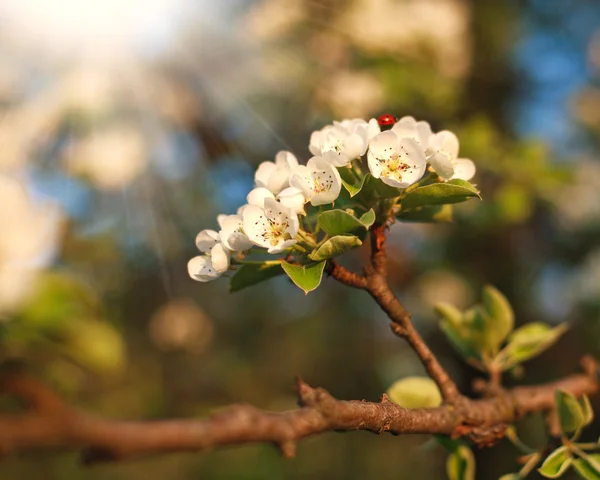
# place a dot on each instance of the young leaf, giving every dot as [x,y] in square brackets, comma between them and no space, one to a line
[250,274]
[501,316]
[556,463]
[588,466]
[569,411]
[306,277]
[510,476]
[454,191]
[527,342]
[335,246]
[586,409]
[461,464]
[415,392]
[457,330]
[428,214]
[338,222]
[350,182]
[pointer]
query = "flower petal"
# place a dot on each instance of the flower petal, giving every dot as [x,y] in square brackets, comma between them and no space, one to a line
[257,196]
[206,239]
[292,198]
[464,169]
[263,173]
[442,165]
[201,269]
[384,145]
[219,257]
[326,180]
[301,178]
[255,225]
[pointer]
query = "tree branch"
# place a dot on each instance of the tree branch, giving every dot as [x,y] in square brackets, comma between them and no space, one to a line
[52,423]
[379,288]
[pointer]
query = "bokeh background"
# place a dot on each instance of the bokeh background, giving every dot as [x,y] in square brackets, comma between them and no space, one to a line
[133,124]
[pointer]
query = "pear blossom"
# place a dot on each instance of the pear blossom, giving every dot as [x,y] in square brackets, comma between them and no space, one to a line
[443,147]
[274,175]
[398,162]
[408,127]
[272,227]
[231,234]
[292,198]
[319,181]
[343,141]
[258,196]
[211,266]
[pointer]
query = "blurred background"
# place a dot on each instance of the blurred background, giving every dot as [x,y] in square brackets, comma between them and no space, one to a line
[133,124]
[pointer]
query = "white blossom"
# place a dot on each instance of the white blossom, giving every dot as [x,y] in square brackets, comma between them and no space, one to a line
[408,127]
[272,227]
[399,162]
[274,176]
[443,148]
[290,197]
[231,234]
[319,181]
[343,141]
[215,260]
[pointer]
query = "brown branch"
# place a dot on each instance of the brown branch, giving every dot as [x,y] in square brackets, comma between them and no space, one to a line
[345,276]
[379,288]
[52,423]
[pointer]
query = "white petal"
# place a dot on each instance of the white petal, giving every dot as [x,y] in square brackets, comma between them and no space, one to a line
[282,246]
[206,239]
[263,173]
[326,179]
[442,165]
[279,180]
[384,145]
[374,165]
[258,195]
[337,159]
[285,160]
[354,146]
[315,143]
[231,235]
[201,269]
[219,257]
[464,169]
[410,153]
[393,182]
[448,142]
[221,217]
[301,178]
[281,215]
[412,175]
[255,225]
[292,198]
[373,129]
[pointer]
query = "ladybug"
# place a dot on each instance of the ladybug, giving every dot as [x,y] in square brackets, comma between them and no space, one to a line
[386,120]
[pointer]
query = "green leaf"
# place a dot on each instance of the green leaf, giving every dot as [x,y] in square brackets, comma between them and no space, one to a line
[251,274]
[586,409]
[306,277]
[352,184]
[428,213]
[338,222]
[502,319]
[557,463]
[510,476]
[461,464]
[368,186]
[569,411]
[459,333]
[335,246]
[527,342]
[454,191]
[415,392]
[588,466]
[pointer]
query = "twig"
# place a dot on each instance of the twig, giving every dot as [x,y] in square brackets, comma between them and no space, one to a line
[50,422]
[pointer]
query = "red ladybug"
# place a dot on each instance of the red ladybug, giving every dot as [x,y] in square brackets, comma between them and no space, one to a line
[386,120]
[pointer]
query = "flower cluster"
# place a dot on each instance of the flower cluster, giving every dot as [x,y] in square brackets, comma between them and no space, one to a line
[284,189]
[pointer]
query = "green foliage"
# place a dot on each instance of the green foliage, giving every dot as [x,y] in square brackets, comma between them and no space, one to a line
[453,191]
[573,413]
[251,274]
[307,277]
[428,213]
[588,466]
[415,392]
[527,342]
[369,188]
[335,246]
[339,222]
[460,464]
[557,463]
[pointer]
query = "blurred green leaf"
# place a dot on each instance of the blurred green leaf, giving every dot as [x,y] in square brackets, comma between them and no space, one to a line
[569,411]
[501,317]
[306,277]
[461,464]
[96,345]
[514,203]
[251,274]
[586,409]
[338,222]
[460,333]
[588,466]
[335,246]
[415,392]
[557,463]
[527,342]
[428,213]
[454,191]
